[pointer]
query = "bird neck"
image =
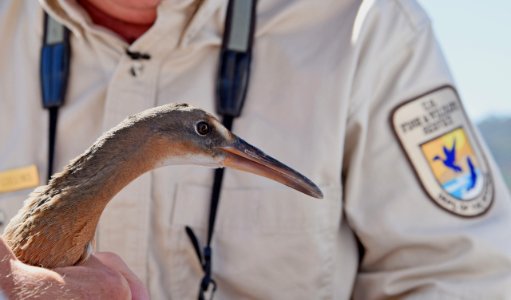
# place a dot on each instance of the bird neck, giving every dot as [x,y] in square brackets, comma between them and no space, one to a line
[67,210]
[95,177]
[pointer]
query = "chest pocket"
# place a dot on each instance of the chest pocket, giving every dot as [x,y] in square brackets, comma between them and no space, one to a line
[256,230]
[268,239]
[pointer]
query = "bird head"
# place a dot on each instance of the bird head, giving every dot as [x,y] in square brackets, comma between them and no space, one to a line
[187,135]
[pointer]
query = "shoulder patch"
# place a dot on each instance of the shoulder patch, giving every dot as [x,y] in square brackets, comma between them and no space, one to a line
[437,137]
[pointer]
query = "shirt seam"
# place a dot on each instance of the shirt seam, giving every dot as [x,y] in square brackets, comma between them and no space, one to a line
[389,55]
[415,26]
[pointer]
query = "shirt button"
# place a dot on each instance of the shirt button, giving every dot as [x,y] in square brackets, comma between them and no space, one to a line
[136,69]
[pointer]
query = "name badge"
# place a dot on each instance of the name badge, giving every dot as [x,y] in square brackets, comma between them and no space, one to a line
[18,179]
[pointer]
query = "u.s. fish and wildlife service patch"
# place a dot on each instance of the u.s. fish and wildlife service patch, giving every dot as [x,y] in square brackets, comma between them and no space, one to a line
[439,141]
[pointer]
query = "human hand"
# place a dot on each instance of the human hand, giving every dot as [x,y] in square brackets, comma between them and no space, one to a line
[102,276]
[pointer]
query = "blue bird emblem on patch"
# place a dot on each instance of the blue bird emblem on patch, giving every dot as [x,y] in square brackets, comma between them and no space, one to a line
[453,162]
[450,158]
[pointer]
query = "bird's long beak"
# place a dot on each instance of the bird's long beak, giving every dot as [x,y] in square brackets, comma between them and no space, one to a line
[242,156]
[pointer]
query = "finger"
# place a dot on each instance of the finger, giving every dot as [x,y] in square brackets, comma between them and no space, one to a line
[92,279]
[138,290]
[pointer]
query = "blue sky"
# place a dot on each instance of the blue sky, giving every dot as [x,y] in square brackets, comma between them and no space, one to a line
[475,37]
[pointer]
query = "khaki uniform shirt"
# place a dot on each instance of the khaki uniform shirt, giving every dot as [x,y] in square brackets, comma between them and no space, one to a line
[328,84]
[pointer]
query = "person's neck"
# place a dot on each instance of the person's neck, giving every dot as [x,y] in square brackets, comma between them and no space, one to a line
[128,21]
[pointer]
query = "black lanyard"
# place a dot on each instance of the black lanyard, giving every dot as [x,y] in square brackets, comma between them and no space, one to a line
[54,74]
[231,89]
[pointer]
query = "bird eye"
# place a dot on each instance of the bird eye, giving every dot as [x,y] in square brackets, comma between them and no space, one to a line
[203,128]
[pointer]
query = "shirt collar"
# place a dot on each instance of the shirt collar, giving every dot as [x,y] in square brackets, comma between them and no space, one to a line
[172,19]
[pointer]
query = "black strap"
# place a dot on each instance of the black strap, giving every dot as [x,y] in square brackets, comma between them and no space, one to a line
[54,73]
[53,114]
[231,89]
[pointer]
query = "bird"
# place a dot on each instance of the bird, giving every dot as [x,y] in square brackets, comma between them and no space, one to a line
[450,158]
[56,225]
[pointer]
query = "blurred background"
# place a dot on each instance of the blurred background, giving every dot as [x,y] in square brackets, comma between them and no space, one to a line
[475,37]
